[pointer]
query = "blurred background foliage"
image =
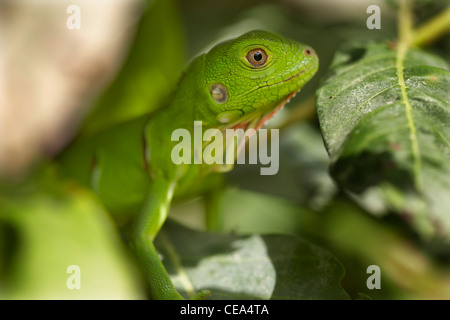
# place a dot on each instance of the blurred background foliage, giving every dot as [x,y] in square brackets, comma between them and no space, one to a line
[47,224]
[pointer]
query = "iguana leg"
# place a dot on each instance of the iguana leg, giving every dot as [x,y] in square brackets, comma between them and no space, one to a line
[143,232]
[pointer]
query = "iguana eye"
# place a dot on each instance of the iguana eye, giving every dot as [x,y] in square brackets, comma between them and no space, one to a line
[257,57]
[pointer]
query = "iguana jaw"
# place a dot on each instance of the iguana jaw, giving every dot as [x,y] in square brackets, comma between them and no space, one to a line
[266,117]
[258,118]
[254,120]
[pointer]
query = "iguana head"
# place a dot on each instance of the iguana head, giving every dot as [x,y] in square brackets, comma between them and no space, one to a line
[247,79]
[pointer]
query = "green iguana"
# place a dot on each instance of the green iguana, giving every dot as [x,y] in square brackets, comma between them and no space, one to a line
[239,83]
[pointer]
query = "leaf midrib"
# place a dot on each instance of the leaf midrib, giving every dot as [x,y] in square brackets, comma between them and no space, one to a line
[417,165]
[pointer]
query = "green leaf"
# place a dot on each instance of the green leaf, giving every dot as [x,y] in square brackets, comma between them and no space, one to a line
[385,121]
[43,233]
[363,296]
[248,267]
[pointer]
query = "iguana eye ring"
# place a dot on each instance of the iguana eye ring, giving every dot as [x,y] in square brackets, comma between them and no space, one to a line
[219,93]
[257,57]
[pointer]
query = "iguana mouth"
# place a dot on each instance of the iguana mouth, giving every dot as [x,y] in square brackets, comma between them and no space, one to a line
[282,81]
[257,119]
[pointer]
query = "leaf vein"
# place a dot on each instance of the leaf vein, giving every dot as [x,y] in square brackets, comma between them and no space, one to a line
[360,79]
[401,53]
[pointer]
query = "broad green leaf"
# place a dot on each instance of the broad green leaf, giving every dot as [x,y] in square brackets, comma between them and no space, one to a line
[248,267]
[150,71]
[385,122]
[42,234]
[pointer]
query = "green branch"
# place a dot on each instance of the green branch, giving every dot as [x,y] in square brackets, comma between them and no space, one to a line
[432,30]
[405,23]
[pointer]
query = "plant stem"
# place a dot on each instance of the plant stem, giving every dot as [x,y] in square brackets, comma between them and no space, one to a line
[405,23]
[432,29]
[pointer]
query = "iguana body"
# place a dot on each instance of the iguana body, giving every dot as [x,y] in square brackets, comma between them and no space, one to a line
[237,84]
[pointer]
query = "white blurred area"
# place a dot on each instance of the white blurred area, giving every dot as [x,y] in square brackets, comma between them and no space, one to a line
[49,73]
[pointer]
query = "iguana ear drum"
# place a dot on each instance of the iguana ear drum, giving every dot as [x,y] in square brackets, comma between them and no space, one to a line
[219,93]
